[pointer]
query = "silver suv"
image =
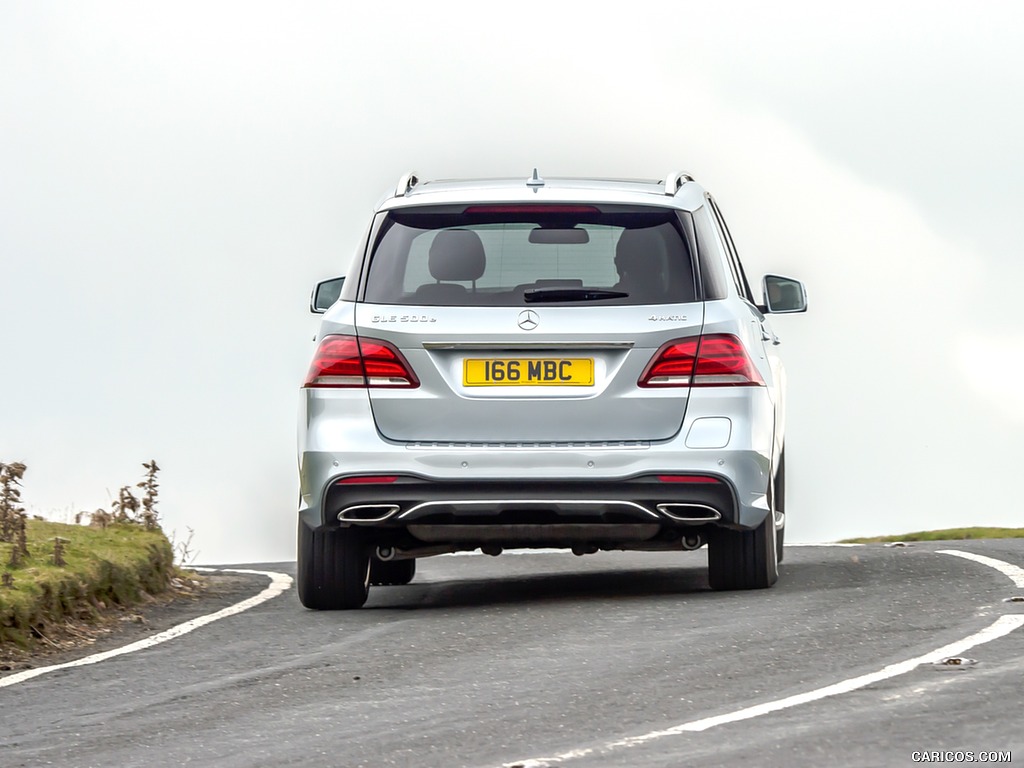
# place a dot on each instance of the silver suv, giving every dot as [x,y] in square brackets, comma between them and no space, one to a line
[573,363]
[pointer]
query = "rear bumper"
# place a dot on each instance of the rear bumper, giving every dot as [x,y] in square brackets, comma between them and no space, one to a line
[412,512]
[485,484]
[643,499]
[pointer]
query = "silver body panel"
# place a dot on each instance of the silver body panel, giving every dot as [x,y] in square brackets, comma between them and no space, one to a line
[620,340]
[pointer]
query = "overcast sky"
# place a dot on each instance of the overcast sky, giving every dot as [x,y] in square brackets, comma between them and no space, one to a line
[174,177]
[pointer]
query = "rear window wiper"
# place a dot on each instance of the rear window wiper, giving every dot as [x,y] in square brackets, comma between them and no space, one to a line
[571,294]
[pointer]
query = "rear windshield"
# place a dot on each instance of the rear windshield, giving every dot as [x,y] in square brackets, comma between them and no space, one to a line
[522,255]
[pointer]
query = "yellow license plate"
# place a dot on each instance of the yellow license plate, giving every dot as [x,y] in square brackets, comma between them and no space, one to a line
[529,372]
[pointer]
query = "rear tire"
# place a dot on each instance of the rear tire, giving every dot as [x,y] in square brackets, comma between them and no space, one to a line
[743,559]
[779,502]
[333,568]
[391,572]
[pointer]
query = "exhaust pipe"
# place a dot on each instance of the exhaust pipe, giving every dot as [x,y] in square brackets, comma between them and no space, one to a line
[491,550]
[367,513]
[388,553]
[690,513]
[692,541]
[584,549]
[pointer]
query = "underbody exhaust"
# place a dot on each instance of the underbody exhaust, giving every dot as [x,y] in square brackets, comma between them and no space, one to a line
[692,541]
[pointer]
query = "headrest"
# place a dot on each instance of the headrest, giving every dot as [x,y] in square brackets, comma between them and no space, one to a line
[456,254]
[640,249]
[641,258]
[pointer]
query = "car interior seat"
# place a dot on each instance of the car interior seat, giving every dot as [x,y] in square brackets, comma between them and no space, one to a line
[641,259]
[455,255]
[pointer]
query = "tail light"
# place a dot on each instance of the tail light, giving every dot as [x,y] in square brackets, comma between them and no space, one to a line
[349,361]
[715,360]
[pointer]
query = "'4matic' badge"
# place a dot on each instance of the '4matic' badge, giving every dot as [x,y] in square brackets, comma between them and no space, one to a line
[667,318]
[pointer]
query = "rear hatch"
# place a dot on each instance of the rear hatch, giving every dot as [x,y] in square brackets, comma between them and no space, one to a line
[529,323]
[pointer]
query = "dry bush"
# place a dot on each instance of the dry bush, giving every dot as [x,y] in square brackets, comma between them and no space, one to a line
[186,555]
[129,508]
[12,514]
[126,507]
[100,518]
[151,488]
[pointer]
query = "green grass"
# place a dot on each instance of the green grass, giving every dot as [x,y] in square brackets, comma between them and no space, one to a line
[117,565]
[947,534]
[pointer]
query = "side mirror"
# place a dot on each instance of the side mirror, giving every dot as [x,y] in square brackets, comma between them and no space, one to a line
[783,295]
[325,293]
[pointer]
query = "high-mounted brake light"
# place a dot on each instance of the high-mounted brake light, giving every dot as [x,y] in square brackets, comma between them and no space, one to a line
[349,361]
[531,209]
[715,360]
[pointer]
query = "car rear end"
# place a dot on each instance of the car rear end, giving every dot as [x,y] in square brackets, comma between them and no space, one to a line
[515,366]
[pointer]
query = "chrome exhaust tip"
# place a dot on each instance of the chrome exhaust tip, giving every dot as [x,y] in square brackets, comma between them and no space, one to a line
[367,513]
[690,513]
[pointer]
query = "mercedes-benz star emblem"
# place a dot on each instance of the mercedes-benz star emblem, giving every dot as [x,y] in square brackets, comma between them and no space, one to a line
[528,319]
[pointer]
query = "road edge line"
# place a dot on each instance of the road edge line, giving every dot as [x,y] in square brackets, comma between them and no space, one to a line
[1013,572]
[1003,626]
[279,583]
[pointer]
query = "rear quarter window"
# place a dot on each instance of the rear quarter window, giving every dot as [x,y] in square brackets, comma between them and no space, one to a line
[711,255]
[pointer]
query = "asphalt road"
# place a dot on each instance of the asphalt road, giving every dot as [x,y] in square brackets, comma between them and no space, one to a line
[551,659]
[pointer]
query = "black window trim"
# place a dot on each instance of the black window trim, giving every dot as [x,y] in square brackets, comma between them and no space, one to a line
[735,264]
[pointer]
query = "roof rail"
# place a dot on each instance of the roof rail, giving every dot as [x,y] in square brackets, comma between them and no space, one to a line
[406,183]
[674,181]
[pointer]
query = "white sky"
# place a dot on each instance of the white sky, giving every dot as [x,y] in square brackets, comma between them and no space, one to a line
[175,177]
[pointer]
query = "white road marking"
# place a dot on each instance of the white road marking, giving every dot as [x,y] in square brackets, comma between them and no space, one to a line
[1012,572]
[821,544]
[1004,625]
[279,582]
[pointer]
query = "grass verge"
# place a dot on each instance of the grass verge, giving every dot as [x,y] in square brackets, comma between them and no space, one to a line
[114,566]
[946,534]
